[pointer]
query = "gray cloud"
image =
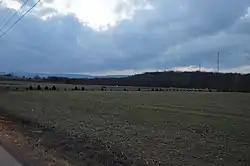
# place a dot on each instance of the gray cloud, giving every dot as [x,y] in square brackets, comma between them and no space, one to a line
[173,33]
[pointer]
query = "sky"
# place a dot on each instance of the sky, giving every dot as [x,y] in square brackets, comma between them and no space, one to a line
[125,36]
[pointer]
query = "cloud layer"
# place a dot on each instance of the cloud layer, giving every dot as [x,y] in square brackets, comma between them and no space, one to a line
[140,35]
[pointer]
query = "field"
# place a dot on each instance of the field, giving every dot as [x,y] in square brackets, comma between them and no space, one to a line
[134,128]
[24,86]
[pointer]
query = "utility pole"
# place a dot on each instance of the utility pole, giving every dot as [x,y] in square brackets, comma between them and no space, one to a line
[218,62]
[200,67]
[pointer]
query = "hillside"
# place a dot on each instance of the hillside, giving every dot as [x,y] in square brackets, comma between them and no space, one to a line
[231,82]
[220,81]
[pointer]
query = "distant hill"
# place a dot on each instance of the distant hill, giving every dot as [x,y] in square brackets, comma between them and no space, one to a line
[45,75]
[226,82]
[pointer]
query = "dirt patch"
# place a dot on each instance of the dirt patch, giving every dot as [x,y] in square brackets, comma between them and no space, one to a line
[75,149]
[17,145]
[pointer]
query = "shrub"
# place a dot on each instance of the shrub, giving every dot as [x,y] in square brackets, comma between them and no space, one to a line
[83,88]
[46,88]
[38,87]
[30,87]
[76,88]
[139,89]
[54,87]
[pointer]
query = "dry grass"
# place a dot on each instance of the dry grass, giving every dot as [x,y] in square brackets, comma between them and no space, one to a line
[182,128]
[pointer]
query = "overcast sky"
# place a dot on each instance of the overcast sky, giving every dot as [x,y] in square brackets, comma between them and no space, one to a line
[126,36]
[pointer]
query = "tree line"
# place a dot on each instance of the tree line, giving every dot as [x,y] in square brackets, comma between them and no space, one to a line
[52,88]
[234,82]
[227,82]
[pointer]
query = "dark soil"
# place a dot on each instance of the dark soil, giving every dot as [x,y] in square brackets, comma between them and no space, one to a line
[75,149]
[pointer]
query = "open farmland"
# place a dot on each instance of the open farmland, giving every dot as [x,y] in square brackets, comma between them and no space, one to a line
[135,128]
[24,86]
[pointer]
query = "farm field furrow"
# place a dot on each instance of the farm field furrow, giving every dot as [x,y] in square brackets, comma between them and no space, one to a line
[135,128]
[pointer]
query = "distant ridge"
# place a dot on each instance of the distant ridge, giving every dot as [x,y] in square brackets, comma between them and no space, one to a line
[46,75]
[223,82]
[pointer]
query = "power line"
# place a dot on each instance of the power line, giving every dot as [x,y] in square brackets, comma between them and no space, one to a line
[4,33]
[1,17]
[13,15]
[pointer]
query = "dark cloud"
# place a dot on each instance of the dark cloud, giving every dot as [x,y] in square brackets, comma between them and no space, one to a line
[173,33]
